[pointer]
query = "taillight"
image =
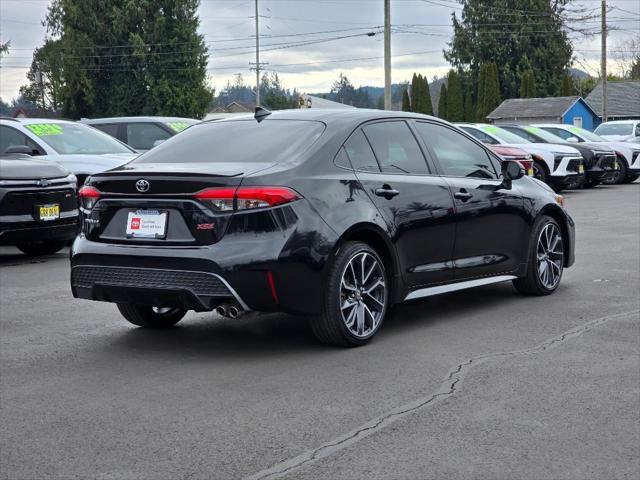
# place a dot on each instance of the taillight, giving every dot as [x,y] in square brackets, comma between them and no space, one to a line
[88,196]
[528,166]
[245,198]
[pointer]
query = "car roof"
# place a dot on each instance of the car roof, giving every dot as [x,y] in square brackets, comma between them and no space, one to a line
[90,121]
[329,114]
[30,121]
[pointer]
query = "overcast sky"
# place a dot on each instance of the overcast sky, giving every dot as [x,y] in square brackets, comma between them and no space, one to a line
[422,28]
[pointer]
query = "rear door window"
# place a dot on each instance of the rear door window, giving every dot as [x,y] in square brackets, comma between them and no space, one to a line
[143,136]
[396,148]
[457,155]
[359,152]
[108,128]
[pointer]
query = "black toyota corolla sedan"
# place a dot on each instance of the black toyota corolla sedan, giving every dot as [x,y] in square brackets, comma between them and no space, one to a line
[334,215]
[38,204]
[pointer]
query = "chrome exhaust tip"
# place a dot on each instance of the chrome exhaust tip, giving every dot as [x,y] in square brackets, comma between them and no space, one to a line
[221,310]
[233,311]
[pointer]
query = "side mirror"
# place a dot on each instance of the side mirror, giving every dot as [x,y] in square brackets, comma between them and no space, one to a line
[511,170]
[19,149]
[573,139]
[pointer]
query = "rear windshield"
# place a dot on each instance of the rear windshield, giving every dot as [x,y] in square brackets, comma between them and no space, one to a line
[242,141]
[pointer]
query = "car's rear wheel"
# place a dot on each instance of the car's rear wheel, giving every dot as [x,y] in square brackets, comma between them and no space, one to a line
[40,248]
[545,259]
[151,317]
[356,297]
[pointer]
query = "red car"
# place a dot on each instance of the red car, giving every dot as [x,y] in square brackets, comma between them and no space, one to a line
[513,153]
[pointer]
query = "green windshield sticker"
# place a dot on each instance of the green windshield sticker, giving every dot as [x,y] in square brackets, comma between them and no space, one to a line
[490,129]
[45,129]
[177,126]
[574,130]
[532,129]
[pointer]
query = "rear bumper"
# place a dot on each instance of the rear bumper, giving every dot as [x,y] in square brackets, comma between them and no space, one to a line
[278,270]
[14,233]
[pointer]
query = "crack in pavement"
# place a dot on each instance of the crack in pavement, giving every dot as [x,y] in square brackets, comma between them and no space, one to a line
[448,387]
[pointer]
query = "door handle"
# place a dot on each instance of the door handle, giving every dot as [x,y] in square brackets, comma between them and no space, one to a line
[386,191]
[462,195]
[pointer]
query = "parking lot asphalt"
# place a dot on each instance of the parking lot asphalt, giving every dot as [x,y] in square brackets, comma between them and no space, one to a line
[481,383]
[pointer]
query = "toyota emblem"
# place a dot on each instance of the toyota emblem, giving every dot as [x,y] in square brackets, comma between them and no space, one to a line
[143,185]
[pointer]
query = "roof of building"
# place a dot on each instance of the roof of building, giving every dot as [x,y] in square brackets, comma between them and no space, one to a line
[319,102]
[623,99]
[553,107]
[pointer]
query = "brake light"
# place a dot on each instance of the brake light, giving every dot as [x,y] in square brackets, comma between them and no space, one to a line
[88,196]
[227,199]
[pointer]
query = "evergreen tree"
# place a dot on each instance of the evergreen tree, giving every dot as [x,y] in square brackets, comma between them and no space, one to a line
[567,86]
[527,84]
[406,104]
[490,93]
[505,31]
[380,103]
[482,82]
[454,105]
[127,58]
[426,96]
[442,103]
[469,110]
[416,92]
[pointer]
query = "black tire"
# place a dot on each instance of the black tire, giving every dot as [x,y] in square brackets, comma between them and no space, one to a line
[150,317]
[531,284]
[621,176]
[330,326]
[40,248]
[632,177]
[540,171]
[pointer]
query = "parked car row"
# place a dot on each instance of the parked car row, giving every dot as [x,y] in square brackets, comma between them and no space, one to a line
[565,156]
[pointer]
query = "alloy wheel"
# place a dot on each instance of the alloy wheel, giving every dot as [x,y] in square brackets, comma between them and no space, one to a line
[363,295]
[550,254]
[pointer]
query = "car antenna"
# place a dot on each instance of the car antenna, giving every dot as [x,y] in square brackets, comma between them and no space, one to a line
[261,113]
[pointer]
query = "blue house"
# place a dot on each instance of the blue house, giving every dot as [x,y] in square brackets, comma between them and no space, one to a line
[569,110]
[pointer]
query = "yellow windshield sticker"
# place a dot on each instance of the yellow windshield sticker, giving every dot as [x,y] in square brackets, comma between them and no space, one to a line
[177,126]
[532,129]
[45,129]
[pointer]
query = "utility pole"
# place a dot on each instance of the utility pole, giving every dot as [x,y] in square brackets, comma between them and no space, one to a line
[603,61]
[387,54]
[40,80]
[257,58]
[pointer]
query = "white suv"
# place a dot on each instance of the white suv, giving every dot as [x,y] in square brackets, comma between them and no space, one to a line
[619,130]
[80,149]
[628,153]
[557,165]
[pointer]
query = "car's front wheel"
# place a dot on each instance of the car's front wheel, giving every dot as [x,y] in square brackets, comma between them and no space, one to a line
[356,298]
[545,261]
[621,174]
[151,317]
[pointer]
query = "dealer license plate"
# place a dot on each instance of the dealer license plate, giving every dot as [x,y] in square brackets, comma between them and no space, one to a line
[48,212]
[146,224]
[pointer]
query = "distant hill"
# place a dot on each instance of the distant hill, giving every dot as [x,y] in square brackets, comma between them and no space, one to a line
[579,74]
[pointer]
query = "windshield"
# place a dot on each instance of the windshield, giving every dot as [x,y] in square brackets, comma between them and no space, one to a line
[615,129]
[241,141]
[179,125]
[503,135]
[543,134]
[73,138]
[592,137]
